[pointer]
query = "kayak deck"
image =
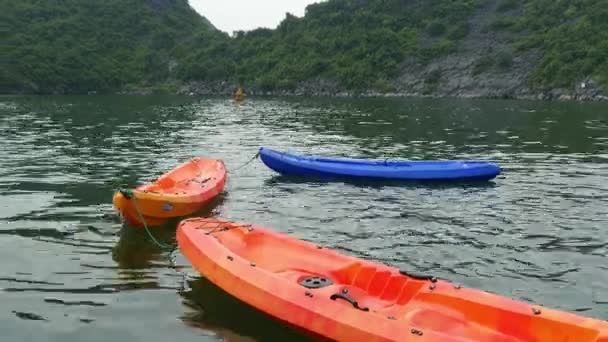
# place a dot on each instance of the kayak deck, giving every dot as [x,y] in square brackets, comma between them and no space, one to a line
[346,298]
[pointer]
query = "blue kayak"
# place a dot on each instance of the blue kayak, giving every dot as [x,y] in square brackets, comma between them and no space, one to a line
[416,170]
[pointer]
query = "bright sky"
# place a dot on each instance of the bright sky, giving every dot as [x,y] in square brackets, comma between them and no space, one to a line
[233,15]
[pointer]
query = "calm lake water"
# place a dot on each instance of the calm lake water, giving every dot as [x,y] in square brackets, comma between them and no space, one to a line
[71,272]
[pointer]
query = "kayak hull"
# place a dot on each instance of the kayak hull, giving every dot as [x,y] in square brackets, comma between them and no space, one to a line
[180,192]
[344,298]
[323,167]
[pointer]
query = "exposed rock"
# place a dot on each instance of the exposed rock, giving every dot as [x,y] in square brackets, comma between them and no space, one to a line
[484,66]
[456,86]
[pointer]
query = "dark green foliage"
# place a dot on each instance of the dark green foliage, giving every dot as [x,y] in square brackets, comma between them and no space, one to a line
[505,23]
[507,5]
[436,28]
[359,44]
[383,85]
[77,46]
[572,34]
[84,45]
[437,49]
[459,31]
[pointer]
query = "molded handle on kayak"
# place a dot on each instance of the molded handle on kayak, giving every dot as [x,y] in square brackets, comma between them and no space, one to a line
[344,295]
[417,276]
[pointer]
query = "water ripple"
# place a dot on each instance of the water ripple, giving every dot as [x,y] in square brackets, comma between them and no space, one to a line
[536,233]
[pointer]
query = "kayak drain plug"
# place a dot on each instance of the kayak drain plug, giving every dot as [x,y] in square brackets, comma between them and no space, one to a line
[315,282]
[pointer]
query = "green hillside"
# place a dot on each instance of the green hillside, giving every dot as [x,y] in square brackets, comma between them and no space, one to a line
[572,34]
[357,43]
[443,47]
[78,46]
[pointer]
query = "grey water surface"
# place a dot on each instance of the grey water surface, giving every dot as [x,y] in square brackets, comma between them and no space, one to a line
[70,271]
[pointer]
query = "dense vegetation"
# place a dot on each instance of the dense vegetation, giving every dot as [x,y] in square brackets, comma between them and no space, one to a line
[357,43]
[573,34]
[86,45]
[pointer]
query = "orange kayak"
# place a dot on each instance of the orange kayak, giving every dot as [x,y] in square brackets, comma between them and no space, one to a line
[343,298]
[179,192]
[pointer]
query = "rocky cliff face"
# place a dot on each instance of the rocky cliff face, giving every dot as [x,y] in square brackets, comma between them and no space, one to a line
[482,66]
[483,61]
[486,65]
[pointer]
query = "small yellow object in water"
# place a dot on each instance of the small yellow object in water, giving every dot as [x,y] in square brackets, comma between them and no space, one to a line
[239,94]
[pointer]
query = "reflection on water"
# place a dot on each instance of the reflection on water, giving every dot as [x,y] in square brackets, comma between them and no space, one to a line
[72,272]
[380,183]
[213,309]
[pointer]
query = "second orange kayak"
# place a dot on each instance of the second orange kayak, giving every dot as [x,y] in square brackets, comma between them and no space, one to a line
[343,298]
[179,192]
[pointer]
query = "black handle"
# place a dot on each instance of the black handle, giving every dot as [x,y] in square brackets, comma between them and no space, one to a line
[344,295]
[417,276]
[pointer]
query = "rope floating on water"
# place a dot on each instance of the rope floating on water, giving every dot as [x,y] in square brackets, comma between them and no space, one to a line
[245,164]
[129,194]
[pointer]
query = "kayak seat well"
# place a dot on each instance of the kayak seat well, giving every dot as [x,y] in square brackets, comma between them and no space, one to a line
[179,180]
[391,294]
[296,260]
[161,185]
[166,183]
[382,284]
[376,287]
